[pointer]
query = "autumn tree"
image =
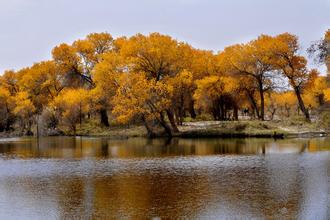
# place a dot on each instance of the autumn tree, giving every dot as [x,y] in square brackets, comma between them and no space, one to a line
[41,82]
[76,61]
[271,104]
[7,105]
[106,76]
[90,50]
[251,61]
[68,64]
[201,63]
[24,109]
[316,88]
[155,55]
[140,97]
[215,91]
[183,88]
[72,105]
[8,89]
[327,94]
[249,90]
[9,81]
[284,103]
[292,66]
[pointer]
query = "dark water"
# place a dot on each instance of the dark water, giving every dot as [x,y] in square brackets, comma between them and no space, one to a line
[85,178]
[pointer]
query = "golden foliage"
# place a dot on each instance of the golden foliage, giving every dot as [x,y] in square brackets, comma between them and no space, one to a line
[157,55]
[72,104]
[327,94]
[155,77]
[106,77]
[23,105]
[139,96]
[212,88]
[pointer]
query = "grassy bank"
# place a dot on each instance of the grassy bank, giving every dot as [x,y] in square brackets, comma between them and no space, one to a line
[225,129]
[228,129]
[267,129]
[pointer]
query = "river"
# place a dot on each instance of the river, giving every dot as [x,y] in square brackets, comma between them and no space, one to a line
[85,178]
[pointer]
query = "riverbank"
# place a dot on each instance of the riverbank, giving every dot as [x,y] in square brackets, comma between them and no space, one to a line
[201,129]
[245,129]
[224,129]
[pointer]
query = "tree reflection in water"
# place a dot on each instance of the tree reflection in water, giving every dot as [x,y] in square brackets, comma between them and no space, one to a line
[137,178]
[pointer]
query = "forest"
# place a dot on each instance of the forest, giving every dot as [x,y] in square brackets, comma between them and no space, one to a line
[159,82]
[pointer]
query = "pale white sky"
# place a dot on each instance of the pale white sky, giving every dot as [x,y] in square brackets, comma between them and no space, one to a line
[31,28]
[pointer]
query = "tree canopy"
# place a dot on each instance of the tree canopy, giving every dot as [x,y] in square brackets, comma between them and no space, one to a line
[159,82]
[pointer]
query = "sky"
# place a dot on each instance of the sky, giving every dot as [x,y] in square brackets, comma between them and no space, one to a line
[31,28]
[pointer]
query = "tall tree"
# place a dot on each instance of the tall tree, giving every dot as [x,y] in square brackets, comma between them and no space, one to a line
[24,109]
[41,82]
[156,55]
[183,88]
[292,66]
[7,104]
[251,61]
[72,105]
[138,96]
[106,77]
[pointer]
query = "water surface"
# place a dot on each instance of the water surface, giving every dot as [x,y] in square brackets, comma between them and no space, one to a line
[67,177]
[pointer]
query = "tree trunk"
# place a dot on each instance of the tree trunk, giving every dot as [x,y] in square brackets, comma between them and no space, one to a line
[150,132]
[74,130]
[262,102]
[8,119]
[253,104]
[321,99]
[172,121]
[214,114]
[163,123]
[301,104]
[216,110]
[223,105]
[222,111]
[235,113]
[272,114]
[104,117]
[8,124]
[178,116]
[192,109]
[181,110]
[28,127]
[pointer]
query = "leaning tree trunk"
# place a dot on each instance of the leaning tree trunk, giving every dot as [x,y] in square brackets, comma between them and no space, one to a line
[104,117]
[172,121]
[301,104]
[150,132]
[253,104]
[166,127]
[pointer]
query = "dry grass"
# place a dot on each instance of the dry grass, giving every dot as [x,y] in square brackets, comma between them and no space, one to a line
[290,127]
[92,128]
